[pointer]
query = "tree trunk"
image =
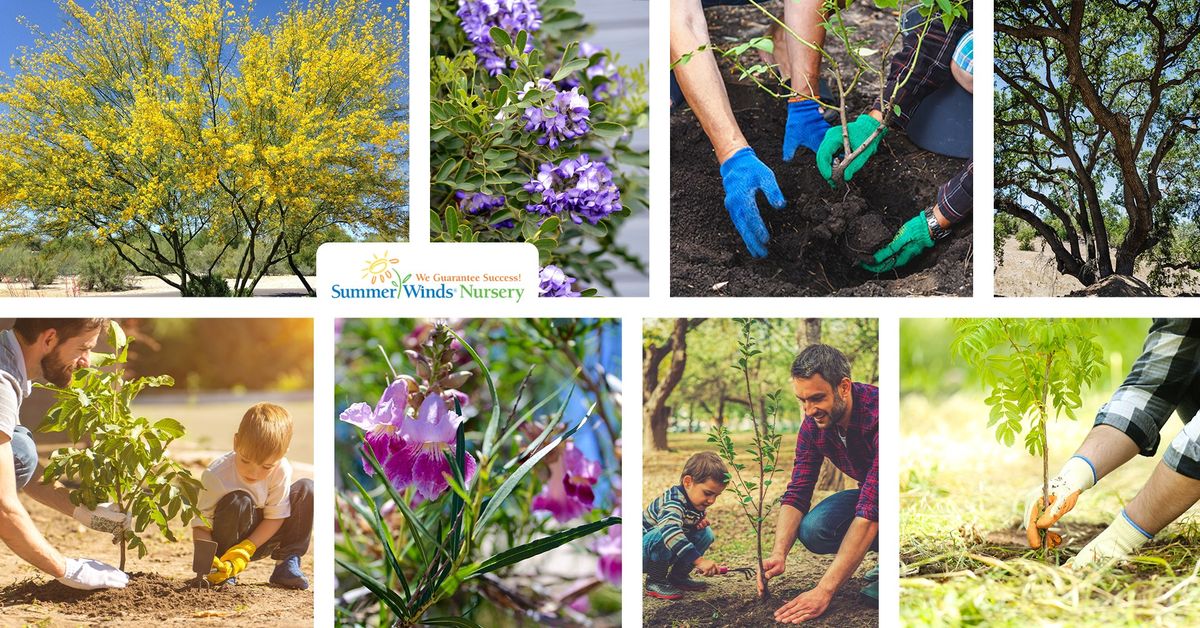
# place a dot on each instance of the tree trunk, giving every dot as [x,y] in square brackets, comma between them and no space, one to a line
[655,411]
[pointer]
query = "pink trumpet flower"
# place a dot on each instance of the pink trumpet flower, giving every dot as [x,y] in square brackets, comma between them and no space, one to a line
[420,458]
[568,492]
[383,424]
[609,549]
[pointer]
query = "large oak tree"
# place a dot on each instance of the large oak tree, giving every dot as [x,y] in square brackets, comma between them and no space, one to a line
[1096,114]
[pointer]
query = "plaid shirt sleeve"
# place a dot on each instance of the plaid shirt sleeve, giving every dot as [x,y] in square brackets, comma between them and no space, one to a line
[1164,377]
[805,470]
[930,69]
[868,490]
[954,197]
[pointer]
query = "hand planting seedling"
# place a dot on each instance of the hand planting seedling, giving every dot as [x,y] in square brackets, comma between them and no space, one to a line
[123,461]
[449,521]
[532,137]
[751,493]
[1031,366]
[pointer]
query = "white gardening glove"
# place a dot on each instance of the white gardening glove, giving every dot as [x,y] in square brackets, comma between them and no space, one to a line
[88,574]
[105,518]
[1121,538]
[1076,476]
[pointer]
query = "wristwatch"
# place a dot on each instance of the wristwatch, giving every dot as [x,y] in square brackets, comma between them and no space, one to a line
[935,229]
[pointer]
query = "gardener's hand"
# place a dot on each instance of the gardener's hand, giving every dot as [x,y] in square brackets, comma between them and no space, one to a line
[105,518]
[232,562]
[1121,538]
[831,146]
[744,177]
[808,605]
[88,574]
[772,567]
[1076,476]
[910,241]
[706,567]
[703,523]
[805,127]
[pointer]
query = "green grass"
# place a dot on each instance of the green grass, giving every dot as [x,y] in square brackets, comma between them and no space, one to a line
[961,495]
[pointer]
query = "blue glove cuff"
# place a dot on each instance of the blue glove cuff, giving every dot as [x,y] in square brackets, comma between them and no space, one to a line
[737,159]
[807,110]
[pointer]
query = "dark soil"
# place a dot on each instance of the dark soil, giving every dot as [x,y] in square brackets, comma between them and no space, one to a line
[729,604]
[818,239]
[1008,543]
[148,596]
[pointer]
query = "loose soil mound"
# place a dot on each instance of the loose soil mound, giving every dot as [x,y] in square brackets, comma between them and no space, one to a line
[1116,286]
[148,596]
[718,607]
[817,240]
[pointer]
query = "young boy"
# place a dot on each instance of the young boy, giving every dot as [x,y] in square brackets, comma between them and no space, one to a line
[254,507]
[675,533]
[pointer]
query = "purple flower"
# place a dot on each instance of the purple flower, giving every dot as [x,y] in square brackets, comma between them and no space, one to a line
[568,492]
[555,283]
[579,186]
[411,451]
[480,16]
[481,204]
[565,117]
[420,459]
[609,549]
[381,425]
[614,85]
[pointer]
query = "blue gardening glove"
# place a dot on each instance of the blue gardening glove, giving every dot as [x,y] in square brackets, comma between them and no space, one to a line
[831,146]
[910,241]
[805,126]
[744,177]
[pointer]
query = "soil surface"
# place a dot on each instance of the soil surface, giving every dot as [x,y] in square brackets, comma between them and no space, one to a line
[1035,274]
[818,239]
[68,286]
[157,590]
[732,601]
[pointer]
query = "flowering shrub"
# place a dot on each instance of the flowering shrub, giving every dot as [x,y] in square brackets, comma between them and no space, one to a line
[462,479]
[531,132]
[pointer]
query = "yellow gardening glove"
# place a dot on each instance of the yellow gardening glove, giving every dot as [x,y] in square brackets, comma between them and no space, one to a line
[233,562]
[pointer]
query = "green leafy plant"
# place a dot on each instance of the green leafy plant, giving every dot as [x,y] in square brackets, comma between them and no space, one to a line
[124,460]
[1031,366]
[433,548]
[488,152]
[751,491]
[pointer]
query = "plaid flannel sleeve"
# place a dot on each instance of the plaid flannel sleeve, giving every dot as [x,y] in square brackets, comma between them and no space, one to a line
[805,470]
[929,63]
[1164,378]
[954,197]
[868,490]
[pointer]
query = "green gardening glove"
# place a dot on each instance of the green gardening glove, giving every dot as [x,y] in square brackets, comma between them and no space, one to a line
[831,146]
[910,241]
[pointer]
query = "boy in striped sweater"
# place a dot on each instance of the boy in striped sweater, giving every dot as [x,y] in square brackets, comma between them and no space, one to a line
[675,533]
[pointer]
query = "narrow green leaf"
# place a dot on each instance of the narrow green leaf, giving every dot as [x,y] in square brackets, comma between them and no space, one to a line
[541,546]
[489,433]
[381,590]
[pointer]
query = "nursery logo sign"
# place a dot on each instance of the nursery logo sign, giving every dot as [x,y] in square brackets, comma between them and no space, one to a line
[498,272]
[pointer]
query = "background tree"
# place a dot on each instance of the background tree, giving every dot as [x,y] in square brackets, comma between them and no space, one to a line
[658,386]
[151,125]
[1096,118]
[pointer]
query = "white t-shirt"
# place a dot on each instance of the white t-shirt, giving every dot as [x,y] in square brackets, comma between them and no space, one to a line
[271,494]
[14,383]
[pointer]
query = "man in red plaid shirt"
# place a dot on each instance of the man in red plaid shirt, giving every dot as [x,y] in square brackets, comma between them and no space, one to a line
[841,423]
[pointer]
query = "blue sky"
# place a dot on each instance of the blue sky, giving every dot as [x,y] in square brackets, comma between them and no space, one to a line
[45,14]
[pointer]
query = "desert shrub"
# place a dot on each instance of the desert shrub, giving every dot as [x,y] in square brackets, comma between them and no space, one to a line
[38,269]
[207,286]
[1025,236]
[105,271]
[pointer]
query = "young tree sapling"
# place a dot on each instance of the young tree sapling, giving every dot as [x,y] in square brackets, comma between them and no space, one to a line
[1029,365]
[124,460]
[751,494]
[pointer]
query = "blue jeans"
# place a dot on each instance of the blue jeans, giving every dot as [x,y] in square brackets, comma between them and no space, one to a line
[25,459]
[822,529]
[655,550]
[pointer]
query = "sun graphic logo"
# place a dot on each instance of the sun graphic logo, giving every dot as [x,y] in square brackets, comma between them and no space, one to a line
[379,269]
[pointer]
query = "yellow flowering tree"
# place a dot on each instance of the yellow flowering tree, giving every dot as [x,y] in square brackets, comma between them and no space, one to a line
[161,126]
